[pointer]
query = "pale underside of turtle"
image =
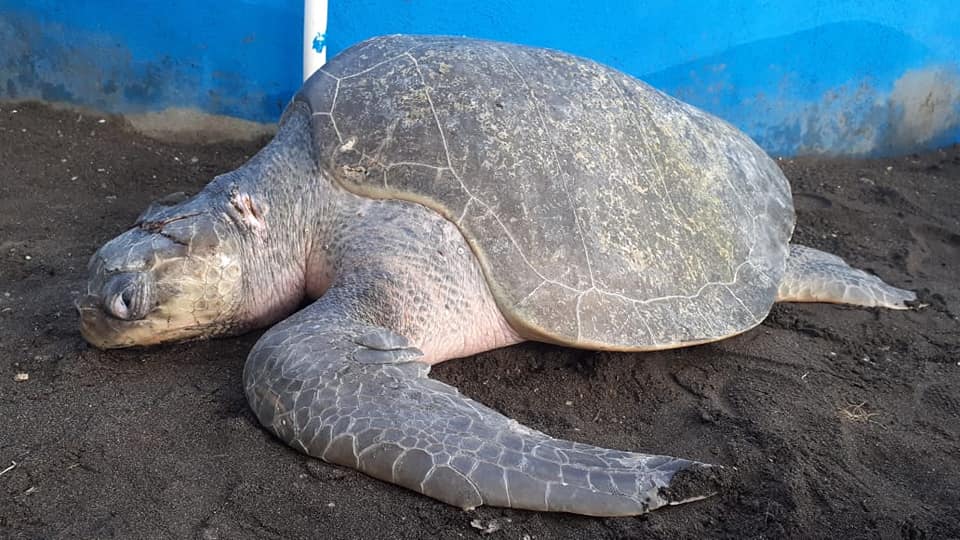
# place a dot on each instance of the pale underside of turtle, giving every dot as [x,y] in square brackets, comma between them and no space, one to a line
[448,196]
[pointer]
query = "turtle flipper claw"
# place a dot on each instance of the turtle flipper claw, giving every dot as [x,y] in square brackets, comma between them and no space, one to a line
[392,356]
[382,339]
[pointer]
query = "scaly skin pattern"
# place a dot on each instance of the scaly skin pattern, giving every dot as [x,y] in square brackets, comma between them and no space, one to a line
[321,387]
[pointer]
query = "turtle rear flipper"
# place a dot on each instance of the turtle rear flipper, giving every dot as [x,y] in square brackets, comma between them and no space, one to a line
[814,276]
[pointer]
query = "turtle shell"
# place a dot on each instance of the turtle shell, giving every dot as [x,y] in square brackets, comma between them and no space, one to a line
[604,213]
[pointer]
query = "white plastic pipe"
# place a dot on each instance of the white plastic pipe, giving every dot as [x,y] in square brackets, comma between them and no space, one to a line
[314,36]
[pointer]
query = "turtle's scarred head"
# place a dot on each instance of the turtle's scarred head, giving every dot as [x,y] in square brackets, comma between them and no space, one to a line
[230,259]
[177,275]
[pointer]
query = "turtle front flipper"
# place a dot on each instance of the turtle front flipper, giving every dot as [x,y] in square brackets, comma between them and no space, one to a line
[358,396]
[815,276]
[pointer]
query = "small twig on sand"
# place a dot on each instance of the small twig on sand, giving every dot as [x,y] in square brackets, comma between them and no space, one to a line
[13,465]
[858,413]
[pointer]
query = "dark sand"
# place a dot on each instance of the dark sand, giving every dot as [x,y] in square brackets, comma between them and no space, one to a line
[839,422]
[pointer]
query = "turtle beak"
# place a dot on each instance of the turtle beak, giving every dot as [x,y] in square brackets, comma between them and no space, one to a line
[117,302]
[113,318]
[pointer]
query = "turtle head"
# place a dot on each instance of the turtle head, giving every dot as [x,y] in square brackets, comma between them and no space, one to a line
[178,274]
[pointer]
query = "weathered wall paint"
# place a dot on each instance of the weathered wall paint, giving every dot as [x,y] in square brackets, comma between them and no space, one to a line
[800,76]
[238,58]
[847,88]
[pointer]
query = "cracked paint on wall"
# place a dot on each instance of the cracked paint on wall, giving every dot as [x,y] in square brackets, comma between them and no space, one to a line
[922,111]
[925,107]
[318,42]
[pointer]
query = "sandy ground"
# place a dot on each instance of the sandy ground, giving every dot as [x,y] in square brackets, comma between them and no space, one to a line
[839,422]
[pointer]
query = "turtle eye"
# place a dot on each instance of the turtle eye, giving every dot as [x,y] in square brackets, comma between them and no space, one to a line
[197,231]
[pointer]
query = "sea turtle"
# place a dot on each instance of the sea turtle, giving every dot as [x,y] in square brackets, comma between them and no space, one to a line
[435,197]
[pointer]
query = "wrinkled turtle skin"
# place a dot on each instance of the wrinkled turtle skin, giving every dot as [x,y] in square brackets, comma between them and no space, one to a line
[435,197]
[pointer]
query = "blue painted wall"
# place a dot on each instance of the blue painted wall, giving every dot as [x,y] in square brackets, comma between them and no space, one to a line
[800,76]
